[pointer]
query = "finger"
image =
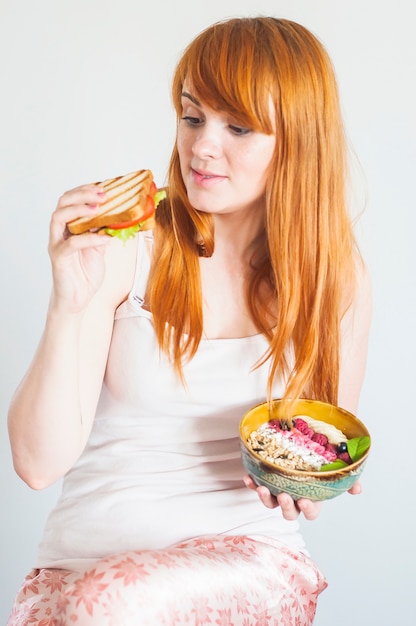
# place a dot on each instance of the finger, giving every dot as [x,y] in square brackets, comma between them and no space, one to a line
[65,214]
[249,482]
[81,202]
[86,194]
[267,498]
[87,240]
[290,510]
[356,489]
[62,216]
[309,508]
[64,246]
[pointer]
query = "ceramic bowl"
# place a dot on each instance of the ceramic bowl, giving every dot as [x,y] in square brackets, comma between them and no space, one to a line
[315,485]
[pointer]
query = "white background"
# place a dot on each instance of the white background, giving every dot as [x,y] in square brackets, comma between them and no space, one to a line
[85,95]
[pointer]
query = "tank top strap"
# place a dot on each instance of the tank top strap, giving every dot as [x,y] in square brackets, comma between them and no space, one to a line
[134,302]
[144,251]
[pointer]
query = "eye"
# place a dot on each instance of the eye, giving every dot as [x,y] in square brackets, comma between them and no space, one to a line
[192,121]
[239,130]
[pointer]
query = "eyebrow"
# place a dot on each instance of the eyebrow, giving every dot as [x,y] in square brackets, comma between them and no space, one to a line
[185,94]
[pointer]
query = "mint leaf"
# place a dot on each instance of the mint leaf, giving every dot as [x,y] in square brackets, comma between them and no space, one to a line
[338,464]
[357,446]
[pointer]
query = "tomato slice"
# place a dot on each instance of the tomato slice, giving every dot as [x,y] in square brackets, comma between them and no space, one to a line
[122,225]
[148,212]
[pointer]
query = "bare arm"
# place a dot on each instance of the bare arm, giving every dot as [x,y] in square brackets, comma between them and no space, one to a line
[52,411]
[355,329]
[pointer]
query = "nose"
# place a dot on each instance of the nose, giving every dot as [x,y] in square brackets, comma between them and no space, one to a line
[207,142]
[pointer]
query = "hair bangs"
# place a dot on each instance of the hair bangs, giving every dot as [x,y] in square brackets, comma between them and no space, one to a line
[228,71]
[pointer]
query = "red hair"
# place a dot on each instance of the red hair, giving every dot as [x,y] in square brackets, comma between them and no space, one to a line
[307,253]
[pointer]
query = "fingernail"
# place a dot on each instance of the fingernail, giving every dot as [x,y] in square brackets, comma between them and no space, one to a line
[93,206]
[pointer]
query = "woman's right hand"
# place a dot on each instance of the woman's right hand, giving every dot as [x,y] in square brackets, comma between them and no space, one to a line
[78,264]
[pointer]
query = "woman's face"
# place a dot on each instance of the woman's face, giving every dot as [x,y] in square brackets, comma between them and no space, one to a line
[224,166]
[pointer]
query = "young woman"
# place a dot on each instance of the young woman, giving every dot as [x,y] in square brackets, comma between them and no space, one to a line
[249,287]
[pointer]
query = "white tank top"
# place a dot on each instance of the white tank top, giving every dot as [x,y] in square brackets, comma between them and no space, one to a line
[162,463]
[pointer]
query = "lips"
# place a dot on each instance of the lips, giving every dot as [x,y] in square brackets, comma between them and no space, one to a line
[206,178]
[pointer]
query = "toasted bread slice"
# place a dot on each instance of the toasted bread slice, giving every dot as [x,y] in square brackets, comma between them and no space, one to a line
[126,201]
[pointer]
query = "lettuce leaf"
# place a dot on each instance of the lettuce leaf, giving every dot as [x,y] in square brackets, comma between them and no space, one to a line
[124,233]
[159,195]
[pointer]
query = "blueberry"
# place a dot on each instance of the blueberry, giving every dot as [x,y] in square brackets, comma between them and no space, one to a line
[342,447]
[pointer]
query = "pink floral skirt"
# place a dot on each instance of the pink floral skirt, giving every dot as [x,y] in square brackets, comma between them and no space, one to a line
[224,580]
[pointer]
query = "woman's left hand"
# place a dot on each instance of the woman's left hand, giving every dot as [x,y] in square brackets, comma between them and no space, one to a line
[291,509]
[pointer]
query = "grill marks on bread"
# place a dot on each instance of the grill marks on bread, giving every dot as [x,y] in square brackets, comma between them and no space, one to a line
[126,201]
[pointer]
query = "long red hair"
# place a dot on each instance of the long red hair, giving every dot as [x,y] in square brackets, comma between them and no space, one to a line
[306,254]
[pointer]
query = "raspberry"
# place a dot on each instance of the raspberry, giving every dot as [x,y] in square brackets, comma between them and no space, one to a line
[275,424]
[301,425]
[319,438]
[344,456]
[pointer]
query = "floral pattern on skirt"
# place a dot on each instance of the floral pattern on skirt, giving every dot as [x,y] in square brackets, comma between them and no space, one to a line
[219,580]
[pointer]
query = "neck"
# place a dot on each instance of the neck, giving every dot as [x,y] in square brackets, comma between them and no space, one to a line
[235,234]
